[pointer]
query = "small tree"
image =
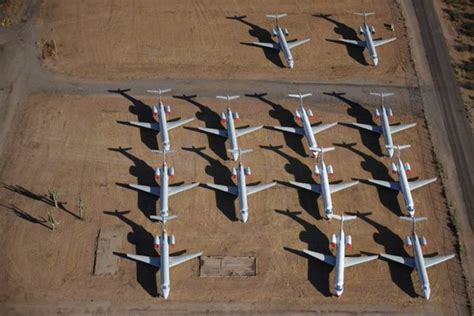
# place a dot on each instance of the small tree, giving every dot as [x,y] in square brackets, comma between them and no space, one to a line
[52,220]
[54,196]
[82,208]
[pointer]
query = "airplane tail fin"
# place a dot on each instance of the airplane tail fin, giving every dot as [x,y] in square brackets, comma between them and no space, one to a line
[163,219]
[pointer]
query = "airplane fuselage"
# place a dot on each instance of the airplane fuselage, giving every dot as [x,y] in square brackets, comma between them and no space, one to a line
[242,187]
[165,140]
[308,131]
[284,46]
[164,265]
[231,135]
[340,254]
[164,182]
[325,191]
[385,125]
[369,43]
[420,266]
[405,188]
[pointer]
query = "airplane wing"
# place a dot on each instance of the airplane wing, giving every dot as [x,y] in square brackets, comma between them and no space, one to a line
[372,128]
[429,262]
[147,189]
[224,188]
[251,189]
[322,127]
[242,131]
[307,186]
[419,183]
[180,188]
[352,261]
[333,188]
[268,45]
[383,41]
[294,130]
[153,261]
[397,128]
[408,261]
[390,185]
[218,132]
[153,126]
[175,124]
[174,261]
[297,43]
[331,260]
[352,42]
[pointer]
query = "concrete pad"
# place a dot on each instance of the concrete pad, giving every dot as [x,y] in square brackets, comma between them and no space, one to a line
[110,239]
[223,266]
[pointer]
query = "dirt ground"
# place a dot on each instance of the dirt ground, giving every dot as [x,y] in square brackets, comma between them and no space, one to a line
[197,39]
[67,142]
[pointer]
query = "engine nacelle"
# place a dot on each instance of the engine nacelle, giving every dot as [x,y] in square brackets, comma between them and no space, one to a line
[377,113]
[316,170]
[223,117]
[333,241]
[155,113]
[348,241]
[236,116]
[408,243]
[157,174]
[407,167]
[310,113]
[285,30]
[297,115]
[330,170]
[247,171]
[361,30]
[372,29]
[234,173]
[157,241]
[394,168]
[171,172]
[171,240]
[167,109]
[423,242]
[390,112]
[274,32]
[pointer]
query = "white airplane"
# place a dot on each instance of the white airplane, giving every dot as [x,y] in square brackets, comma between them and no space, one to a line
[340,261]
[418,262]
[163,175]
[324,188]
[162,126]
[282,44]
[385,129]
[403,184]
[307,130]
[231,132]
[368,42]
[164,262]
[240,173]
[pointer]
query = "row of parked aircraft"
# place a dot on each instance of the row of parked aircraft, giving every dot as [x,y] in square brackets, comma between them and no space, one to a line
[324,188]
[286,46]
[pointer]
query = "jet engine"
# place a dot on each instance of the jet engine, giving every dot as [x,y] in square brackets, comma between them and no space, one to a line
[274,32]
[360,30]
[167,109]
[333,241]
[155,113]
[423,242]
[157,174]
[408,243]
[394,168]
[157,241]
[316,170]
[407,167]
[247,171]
[310,113]
[223,117]
[372,29]
[377,113]
[330,170]
[236,116]
[171,240]
[348,241]
[297,115]
[234,173]
[171,172]
[285,30]
[390,112]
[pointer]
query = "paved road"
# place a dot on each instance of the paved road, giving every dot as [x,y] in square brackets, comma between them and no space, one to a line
[448,93]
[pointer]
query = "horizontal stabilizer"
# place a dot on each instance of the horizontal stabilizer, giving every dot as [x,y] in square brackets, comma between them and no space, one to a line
[267,45]
[147,189]
[431,261]
[419,183]
[333,188]
[364,13]
[174,261]
[297,43]
[413,219]
[307,186]
[322,149]
[277,16]
[383,41]
[344,218]
[387,184]
[408,261]
[398,147]
[294,130]
[352,261]
[331,260]
[382,94]
[227,97]
[153,261]
[398,128]
[227,189]
[175,124]
[159,91]
[153,126]
[243,131]
[372,128]
[251,189]
[172,190]
[322,127]
[299,96]
[218,132]
[163,218]
[352,42]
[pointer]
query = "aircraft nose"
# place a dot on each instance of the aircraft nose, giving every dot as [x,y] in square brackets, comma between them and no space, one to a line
[235,156]
[426,294]
[375,61]
[244,216]
[291,64]
[390,152]
[166,146]
[165,293]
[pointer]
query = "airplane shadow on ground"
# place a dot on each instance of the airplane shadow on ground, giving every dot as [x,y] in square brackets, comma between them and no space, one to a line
[144,113]
[145,175]
[393,244]
[346,32]
[363,116]
[302,173]
[379,171]
[285,118]
[222,175]
[262,35]
[144,245]
[211,119]
[26,216]
[318,272]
